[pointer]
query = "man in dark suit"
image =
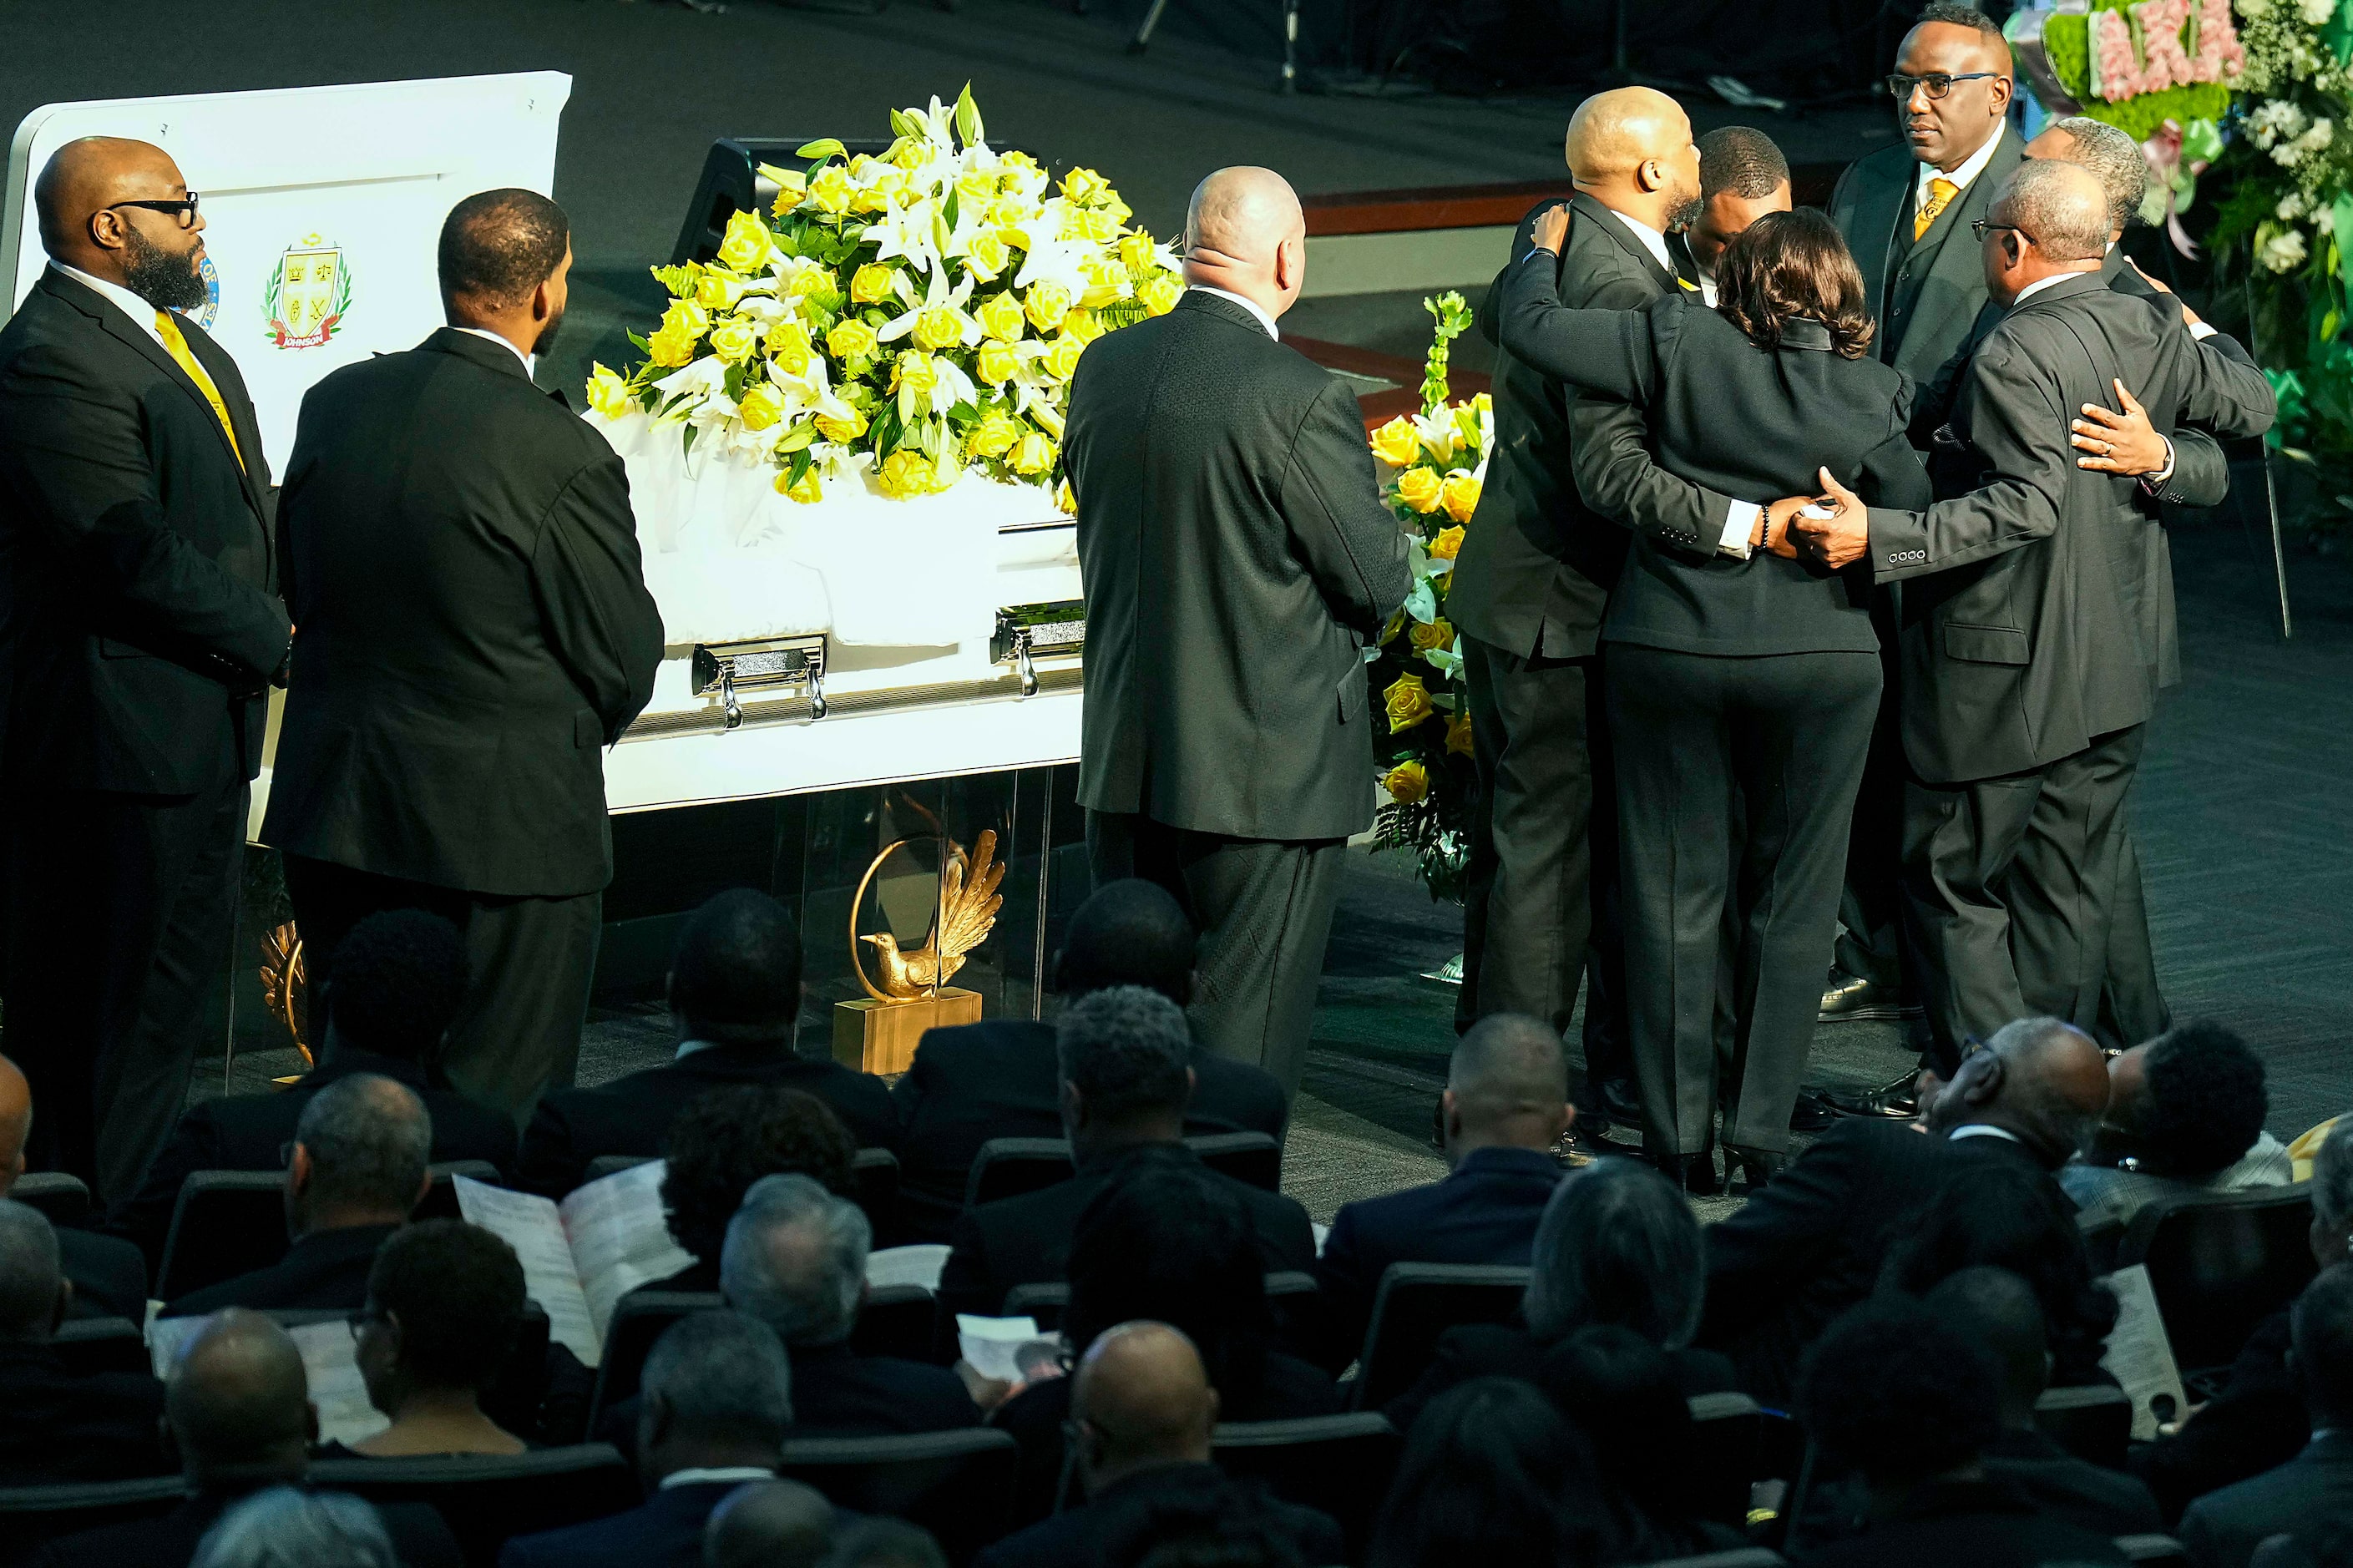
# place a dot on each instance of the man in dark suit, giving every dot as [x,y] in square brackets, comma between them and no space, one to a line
[1538,562]
[734,988]
[2311,1496]
[1124,1084]
[1811,1243]
[997,1078]
[1506,1104]
[355,1172]
[462,559]
[239,1410]
[400,977]
[142,626]
[63,1425]
[107,1276]
[1236,557]
[2026,686]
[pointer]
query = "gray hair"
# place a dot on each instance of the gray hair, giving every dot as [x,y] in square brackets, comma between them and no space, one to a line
[722,1373]
[2114,160]
[2332,1175]
[1617,1244]
[286,1528]
[2062,207]
[1126,1050]
[28,1271]
[369,1139]
[796,1259]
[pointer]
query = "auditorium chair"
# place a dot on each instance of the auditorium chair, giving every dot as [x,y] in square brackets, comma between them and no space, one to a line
[2092,1423]
[959,1485]
[59,1194]
[486,1499]
[227,1223]
[2157,1549]
[1008,1167]
[31,1515]
[896,1320]
[2220,1264]
[874,1173]
[1417,1302]
[605,1165]
[1728,1455]
[1290,1299]
[1340,1463]
[87,1346]
[1738,1557]
[637,1320]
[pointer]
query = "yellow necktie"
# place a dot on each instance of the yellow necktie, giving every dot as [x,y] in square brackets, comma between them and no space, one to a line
[176,344]
[1941,193]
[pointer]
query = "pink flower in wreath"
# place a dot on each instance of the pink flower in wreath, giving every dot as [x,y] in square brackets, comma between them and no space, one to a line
[2165,62]
[2115,68]
[2220,54]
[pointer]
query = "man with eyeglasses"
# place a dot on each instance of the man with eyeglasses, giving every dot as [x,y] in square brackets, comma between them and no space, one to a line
[139,628]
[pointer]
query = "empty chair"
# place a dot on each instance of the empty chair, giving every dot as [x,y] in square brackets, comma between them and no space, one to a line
[637,1320]
[30,1515]
[958,1485]
[1417,1304]
[1008,1167]
[228,1223]
[1250,1157]
[1337,1464]
[2220,1264]
[1728,1453]
[2151,1549]
[2093,1422]
[59,1194]
[487,1499]
[896,1320]
[88,1346]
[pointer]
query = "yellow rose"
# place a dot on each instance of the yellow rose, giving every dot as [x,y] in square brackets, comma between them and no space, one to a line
[1160,292]
[1448,545]
[717,290]
[1458,736]
[987,257]
[939,327]
[745,245]
[918,373]
[1105,284]
[909,153]
[608,394]
[1407,784]
[791,188]
[831,190]
[734,340]
[1135,250]
[1394,625]
[871,283]
[1000,317]
[790,346]
[670,347]
[686,318]
[1460,496]
[1428,635]
[1419,489]
[805,492]
[841,427]
[1098,226]
[811,281]
[1066,499]
[1397,443]
[760,406]
[1407,702]
[1033,454]
[849,339]
[1015,164]
[997,364]
[1085,185]
[1047,304]
[1083,325]
[975,187]
[1062,359]
[904,473]
[995,435]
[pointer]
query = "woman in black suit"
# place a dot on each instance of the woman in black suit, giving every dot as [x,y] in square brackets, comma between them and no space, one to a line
[1742,682]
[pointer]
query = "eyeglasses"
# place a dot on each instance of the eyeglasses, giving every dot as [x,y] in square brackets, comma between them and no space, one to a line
[1935,84]
[1983,226]
[185,211]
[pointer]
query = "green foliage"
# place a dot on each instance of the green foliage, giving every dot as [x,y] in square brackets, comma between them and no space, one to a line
[2067,43]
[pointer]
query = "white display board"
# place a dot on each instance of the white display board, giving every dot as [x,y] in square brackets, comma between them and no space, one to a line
[323,207]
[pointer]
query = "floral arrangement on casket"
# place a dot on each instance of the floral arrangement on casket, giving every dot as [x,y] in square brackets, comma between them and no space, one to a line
[1432,467]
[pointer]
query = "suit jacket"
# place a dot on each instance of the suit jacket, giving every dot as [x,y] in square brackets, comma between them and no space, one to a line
[663,1531]
[2086,1495]
[461,557]
[2026,624]
[1236,558]
[1809,1244]
[1966,1524]
[1924,295]
[1000,1078]
[838,1393]
[2310,1498]
[326,1269]
[1077,1539]
[98,1426]
[2256,1422]
[1508,1350]
[246,1132]
[1547,542]
[632,1115]
[1724,414]
[1027,1240]
[418,1536]
[1483,1211]
[109,1276]
[138,616]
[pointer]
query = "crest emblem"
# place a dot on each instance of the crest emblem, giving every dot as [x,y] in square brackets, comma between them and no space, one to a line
[210,275]
[308,292]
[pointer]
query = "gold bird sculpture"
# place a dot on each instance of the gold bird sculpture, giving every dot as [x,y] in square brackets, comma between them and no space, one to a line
[968,906]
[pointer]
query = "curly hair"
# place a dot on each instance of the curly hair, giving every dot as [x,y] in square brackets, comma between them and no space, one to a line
[728,1139]
[1492,1473]
[1794,266]
[1893,1391]
[1175,1244]
[2206,1099]
[457,1292]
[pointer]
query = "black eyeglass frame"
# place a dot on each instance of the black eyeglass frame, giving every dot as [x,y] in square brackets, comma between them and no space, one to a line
[1899,86]
[1981,226]
[185,209]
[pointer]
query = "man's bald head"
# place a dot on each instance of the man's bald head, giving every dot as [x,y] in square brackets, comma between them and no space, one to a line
[2041,1079]
[15,1122]
[80,198]
[768,1524]
[2062,207]
[1144,1400]
[1508,1086]
[1631,149]
[1246,232]
[238,1401]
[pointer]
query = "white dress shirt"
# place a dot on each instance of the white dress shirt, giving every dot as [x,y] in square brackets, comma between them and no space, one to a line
[1964,176]
[142,313]
[734,1474]
[1252,306]
[491,337]
[1980,1129]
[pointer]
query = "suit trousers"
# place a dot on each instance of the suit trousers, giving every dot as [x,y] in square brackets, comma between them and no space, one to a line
[2009,890]
[120,910]
[2132,1002]
[1541,897]
[1736,780]
[530,960]
[1263,908]
[1871,904]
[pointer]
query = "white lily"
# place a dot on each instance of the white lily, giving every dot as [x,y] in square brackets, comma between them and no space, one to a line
[911,231]
[938,295]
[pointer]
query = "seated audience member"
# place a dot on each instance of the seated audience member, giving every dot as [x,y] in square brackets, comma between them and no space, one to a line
[1996,1310]
[355,1172]
[716,1404]
[1891,1392]
[1492,1473]
[1507,1100]
[1626,1397]
[239,1407]
[997,1078]
[734,992]
[2257,1420]
[109,1276]
[1616,1246]
[2185,1115]
[1812,1242]
[445,1302]
[725,1141]
[881,1543]
[769,1524]
[399,978]
[286,1528]
[1124,1055]
[61,1425]
[1142,1409]
[2311,1496]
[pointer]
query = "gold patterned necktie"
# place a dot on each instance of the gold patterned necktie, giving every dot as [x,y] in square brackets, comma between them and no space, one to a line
[1941,192]
[175,343]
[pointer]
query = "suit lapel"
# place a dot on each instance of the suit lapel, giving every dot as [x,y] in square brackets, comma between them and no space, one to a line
[1616,228]
[1879,206]
[230,383]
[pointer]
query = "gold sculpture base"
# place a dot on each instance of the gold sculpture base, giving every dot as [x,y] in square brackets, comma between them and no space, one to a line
[880,1037]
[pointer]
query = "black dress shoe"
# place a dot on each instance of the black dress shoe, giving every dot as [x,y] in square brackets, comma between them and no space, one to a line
[1757,1167]
[1695,1174]
[1813,1113]
[1893,1099]
[1849,998]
